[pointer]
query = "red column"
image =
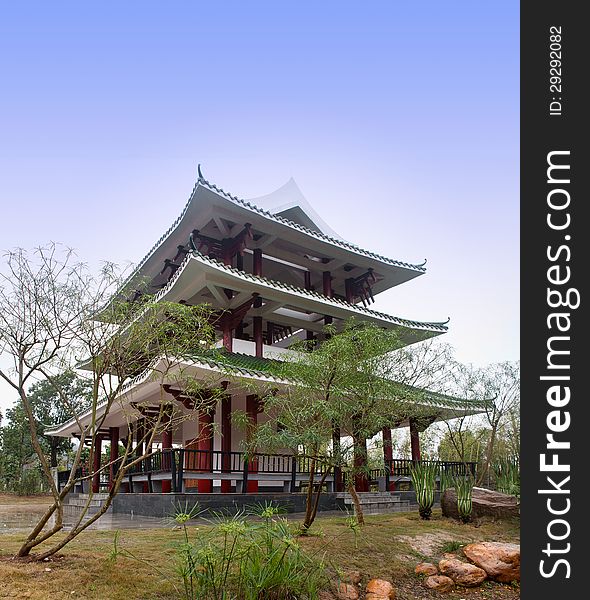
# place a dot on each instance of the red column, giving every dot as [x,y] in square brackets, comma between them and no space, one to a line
[257,321]
[307,279]
[205,444]
[388,453]
[414,441]
[226,442]
[348,290]
[361,482]
[252,409]
[166,445]
[96,464]
[327,283]
[114,439]
[227,336]
[328,292]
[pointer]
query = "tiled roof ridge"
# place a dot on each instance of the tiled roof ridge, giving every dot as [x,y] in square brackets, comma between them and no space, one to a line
[216,357]
[311,232]
[194,255]
[211,186]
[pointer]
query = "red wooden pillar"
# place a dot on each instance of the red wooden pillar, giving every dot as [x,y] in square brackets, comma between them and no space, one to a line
[307,278]
[226,442]
[328,292]
[205,444]
[96,464]
[227,336]
[252,409]
[327,283]
[166,457]
[258,342]
[388,455]
[257,321]
[361,482]
[414,441]
[348,290]
[114,439]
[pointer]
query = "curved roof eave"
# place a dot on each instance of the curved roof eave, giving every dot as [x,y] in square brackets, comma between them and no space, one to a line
[417,269]
[434,327]
[241,366]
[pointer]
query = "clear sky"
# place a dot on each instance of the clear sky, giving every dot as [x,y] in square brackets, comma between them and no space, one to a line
[398,120]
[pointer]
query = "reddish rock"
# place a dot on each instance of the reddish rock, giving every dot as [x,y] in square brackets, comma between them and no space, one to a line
[500,561]
[353,576]
[425,568]
[379,589]
[440,583]
[486,503]
[347,591]
[462,573]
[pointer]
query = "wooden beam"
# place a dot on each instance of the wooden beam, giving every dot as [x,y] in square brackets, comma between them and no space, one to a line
[221,226]
[221,298]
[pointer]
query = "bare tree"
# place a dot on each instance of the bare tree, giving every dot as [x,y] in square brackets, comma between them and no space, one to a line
[502,383]
[54,314]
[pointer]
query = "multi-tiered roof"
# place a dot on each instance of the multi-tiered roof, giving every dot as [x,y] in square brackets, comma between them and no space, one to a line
[272,275]
[285,267]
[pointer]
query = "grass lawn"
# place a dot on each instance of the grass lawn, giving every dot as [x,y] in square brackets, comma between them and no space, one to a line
[389,546]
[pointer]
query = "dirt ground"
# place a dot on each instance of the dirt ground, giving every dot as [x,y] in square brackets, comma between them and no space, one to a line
[388,547]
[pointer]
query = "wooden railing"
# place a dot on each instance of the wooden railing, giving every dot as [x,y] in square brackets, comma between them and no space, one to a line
[181,461]
[401,467]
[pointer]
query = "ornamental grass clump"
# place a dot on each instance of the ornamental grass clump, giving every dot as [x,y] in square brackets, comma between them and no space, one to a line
[464,488]
[424,482]
[507,474]
[446,480]
[241,559]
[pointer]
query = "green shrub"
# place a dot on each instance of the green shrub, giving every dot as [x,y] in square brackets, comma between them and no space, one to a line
[241,559]
[507,474]
[446,480]
[464,488]
[424,481]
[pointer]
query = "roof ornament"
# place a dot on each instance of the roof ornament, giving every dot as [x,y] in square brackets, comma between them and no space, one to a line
[201,178]
[447,321]
[425,261]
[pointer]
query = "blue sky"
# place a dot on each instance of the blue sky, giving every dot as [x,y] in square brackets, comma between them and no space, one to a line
[398,120]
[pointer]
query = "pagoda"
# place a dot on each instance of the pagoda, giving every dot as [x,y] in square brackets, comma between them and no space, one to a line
[275,275]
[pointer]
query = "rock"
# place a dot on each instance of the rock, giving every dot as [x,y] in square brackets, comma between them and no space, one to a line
[347,591]
[500,561]
[353,577]
[486,503]
[440,583]
[462,573]
[325,595]
[425,568]
[379,589]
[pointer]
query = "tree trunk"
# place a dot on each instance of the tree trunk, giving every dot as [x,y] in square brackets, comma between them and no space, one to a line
[355,500]
[53,462]
[318,494]
[309,498]
[489,453]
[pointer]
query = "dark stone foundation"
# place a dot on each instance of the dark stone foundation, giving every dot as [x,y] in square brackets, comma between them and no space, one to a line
[163,505]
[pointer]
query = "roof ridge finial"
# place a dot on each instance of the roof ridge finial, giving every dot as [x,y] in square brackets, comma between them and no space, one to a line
[447,321]
[422,264]
[201,178]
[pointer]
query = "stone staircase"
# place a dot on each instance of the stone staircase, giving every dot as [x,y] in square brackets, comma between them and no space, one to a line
[377,503]
[75,503]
